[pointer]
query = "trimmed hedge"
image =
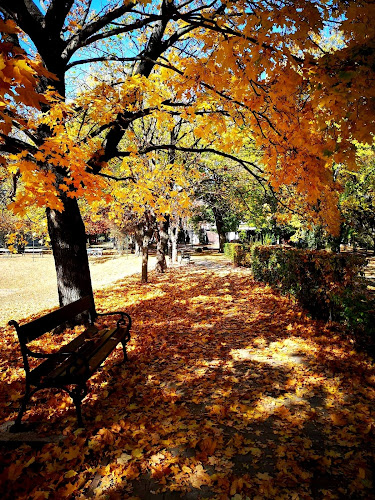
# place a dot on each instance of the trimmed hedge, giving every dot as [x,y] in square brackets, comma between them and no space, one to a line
[328,285]
[239,254]
[324,283]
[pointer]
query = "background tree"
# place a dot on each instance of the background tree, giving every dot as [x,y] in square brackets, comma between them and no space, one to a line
[304,104]
[358,200]
[220,199]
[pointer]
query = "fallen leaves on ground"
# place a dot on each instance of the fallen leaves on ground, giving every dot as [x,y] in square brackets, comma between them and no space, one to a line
[230,391]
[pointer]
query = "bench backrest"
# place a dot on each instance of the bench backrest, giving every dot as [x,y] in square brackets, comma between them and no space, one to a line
[37,327]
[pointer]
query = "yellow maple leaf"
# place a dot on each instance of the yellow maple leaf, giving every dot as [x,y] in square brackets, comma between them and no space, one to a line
[137,453]
[68,490]
[70,473]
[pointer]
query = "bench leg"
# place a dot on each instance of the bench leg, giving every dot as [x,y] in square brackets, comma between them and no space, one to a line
[124,350]
[77,395]
[16,427]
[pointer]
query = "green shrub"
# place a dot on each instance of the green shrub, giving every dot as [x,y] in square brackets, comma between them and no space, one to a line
[230,249]
[328,285]
[239,254]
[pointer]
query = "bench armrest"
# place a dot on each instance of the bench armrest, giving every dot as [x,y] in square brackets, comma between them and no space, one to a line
[120,322]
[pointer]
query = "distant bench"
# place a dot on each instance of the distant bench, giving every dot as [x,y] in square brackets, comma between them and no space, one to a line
[95,252]
[75,362]
[35,250]
[185,257]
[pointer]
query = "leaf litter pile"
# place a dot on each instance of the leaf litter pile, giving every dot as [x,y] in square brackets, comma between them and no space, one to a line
[230,391]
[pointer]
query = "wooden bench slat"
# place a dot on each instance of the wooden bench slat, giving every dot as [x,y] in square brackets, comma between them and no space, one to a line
[58,368]
[87,350]
[104,352]
[47,366]
[85,336]
[101,355]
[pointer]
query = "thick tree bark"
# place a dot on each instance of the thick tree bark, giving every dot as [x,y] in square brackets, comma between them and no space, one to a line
[164,226]
[220,228]
[68,240]
[162,245]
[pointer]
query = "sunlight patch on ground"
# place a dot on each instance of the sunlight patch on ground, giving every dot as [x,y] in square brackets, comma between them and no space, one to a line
[268,356]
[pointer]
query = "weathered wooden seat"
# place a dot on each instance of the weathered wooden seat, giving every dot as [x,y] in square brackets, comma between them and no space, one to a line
[69,368]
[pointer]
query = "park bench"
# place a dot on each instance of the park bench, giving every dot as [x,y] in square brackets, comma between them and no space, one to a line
[34,251]
[185,257]
[70,368]
[95,252]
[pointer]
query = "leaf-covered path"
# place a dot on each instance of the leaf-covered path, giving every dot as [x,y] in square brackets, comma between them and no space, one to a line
[230,392]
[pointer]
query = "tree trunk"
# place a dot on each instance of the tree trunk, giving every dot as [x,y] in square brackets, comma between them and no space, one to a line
[162,245]
[143,232]
[145,244]
[68,240]
[173,233]
[220,228]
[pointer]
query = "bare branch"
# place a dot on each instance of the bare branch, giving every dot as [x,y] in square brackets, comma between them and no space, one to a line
[90,33]
[245,163]
[100,59]
[117,31]
[86,13]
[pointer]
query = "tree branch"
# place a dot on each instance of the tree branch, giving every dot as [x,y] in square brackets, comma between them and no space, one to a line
[13,145]
[56,14]
[27,133]
[86,36]
[113,177]
[101,59]
[154,45]
[245,163]
[27,16]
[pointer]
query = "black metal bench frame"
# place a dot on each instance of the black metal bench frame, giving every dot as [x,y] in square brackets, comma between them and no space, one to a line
[70,368]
